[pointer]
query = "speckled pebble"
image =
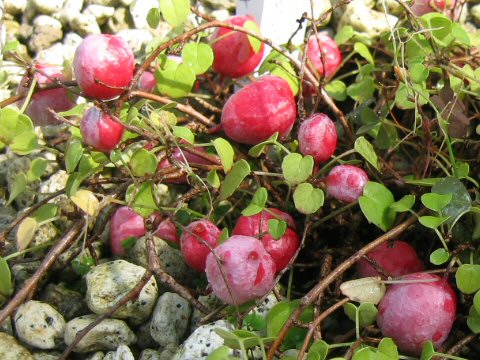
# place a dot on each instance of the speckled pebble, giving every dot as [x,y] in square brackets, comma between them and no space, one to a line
[108,335]
[150,354]
[99,355]
[101,13]
[211,302]
[46,356]
[15,7]
[10,349]
[48,6]
[39,325]
[367,21]
[68,302]
[123,352]
[46,31]
[170,319]
[85,24]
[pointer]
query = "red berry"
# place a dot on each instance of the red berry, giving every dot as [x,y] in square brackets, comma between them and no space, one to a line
[147,82]
[167,230]
[103,66]
[422,7]
[397,259]
[414,313]
[331,60]
[317,136]
[181,156]
[248,268]
[346,182]
[234,55]
[281,250]
[193,250]
[125,223]
[260,109]
[100,130]
[55,99]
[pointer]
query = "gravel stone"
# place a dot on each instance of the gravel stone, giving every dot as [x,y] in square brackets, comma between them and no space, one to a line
[139,10]
[475,13]
[70,10]
[123,352]
[108,335]
[121,20]
[10,349]
[48,6]
[101,13]
[85,24]
[368,21]
[46,356]
[170,319]
[144,337]
[68,302]
[39,325]
[150,354]
[15,7]
[46,31]
[137,39]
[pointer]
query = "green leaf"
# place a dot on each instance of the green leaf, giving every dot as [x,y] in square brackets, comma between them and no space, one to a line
[174,79]
[10,46]
[434,201]
[364,290]
[364,148]
[25,232]
[24,143]
[153,17]
[308,199]
[362,90]
[226,153]
[366,353]
[175,12]
[461,201]
[367,314]
[141,199]
[184,133]
[12,124]
[418,72]
[387,350]
[255,321]
[409,97]
[257,204]
[254,42]
[344,34]
[476,301]
[337,90]
[17,187]
[75,111]
[224,235]
[6,285]
[439,256]
[221,353]
[143,162]
[277,64]
[364,52]
[83,264]
[87,201]
[45,212]
[258,149]
[297,168]
[473,320]
[239,171]
[277,228]
[404,204]
[375,204]
[319,347]
[73,155]
[468,278]
[428,351]
[37,169]
[460,34]
[212,179]
[423,182]
[198,56]
[432,222]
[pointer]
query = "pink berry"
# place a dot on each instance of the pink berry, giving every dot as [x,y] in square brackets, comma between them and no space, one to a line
[331,60]
[193,250]
[346,182]
[422,7]
[100,130]
[397,259]
[281,250]
[317,136]
[181,156]
[248,269]
[147,82]
[125,223]
[234,55]
[416,312]
[103,66]
[167,230]
[260,109]
[55,99]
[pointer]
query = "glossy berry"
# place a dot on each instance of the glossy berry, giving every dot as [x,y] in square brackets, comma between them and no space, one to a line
[181,156]
[397,258]
[281,250]
[55,99]
[194,251]
[234,55]
[260,109]
[346,182]
[167,230]
[100,130]
[147,82]
[248,268]
[103,66]
[328,63]
[416,312]
[125,223]
[317,136]
[422,7]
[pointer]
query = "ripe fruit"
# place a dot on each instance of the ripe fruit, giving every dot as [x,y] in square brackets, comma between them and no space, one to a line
[147,82]
[181,156]
[331,60]
[397,259]
[125,223]
[260,109]
[422,7]
[193,250]
[317,136]
[234,55]
[167,230]
[100,130]
[248,268]
[281,250]
[55,99]
[346,182]
[414,313]
[103,66]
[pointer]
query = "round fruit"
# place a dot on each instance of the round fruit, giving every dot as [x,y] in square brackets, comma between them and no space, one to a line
[422,7]
[281,250]
[147,82]
[259,110]
[415,312]
[125,223]
[100,130]
[234,55]
[328,63]
[194,251]
[317,136]
[247,267]
[103,66]
[397,258]
[346,182]
[167,230]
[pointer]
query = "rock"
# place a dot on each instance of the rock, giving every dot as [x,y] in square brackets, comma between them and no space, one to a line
[139,10]
[144,338]
[392,7]
[20,165]
[168,352]
[109,334]
[12,28]
[71,8]
[48,6]
[123,352]
[368,21]
[101,13]
[170,319]
[126,2]
[44,234]
[211,302]
[39,325]
[85,24]
[103,2]
[265,306]
[150,354]
[72,39]
[202,341]
[475,13]
[120,20]
[54,183]
[99,355]
[10,349]
[137,39]
[6,326]
[46,356]
[22,272]
[15,7]
[68,302]
[107,283]
[55,54]
[46,31]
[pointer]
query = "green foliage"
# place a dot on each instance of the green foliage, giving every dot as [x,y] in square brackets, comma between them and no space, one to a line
[297,168]
[257,204]
[375,204]
[175,12]
[226,153]
[468,278]
[174,79]
[16,131]
[239,171]
[308,199]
